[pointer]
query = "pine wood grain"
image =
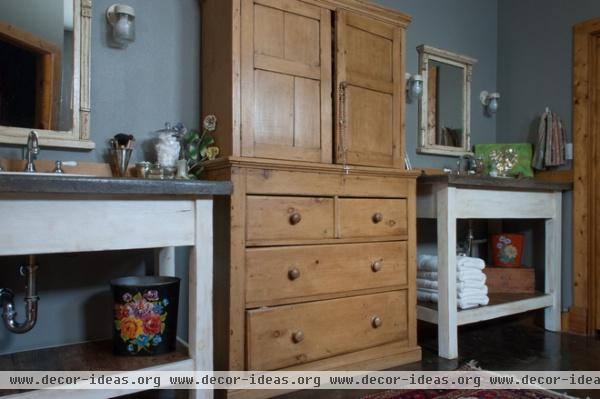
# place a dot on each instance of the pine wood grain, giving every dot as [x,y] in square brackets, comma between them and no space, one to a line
[358,217]
[328,328]
[585,170]
[322,269]
[270,218]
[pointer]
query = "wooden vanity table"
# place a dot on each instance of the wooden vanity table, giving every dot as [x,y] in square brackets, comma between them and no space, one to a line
[448,198]
[47,214]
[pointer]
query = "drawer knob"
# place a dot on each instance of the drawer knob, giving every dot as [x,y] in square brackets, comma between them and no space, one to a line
[376,266]
[376,321]
[377,217]
[293,274]
[298,336]
[295,218]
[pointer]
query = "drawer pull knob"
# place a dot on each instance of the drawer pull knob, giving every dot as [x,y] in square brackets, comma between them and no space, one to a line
[295,218]
[376,266]
[376,321]
[377,217]
[293,274]
[298,336]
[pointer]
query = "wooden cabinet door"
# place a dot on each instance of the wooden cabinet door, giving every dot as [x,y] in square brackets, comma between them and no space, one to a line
[286,80]
[370,89]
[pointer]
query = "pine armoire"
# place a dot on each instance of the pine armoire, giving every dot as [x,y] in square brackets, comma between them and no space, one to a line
[316,267]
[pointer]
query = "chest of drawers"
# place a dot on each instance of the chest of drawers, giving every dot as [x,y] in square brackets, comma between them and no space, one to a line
[316,268]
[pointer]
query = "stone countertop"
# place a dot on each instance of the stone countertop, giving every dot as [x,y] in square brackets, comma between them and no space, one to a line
[496,183]
[90,185]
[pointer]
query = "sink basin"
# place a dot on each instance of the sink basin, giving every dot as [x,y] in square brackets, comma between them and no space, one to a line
[40,174]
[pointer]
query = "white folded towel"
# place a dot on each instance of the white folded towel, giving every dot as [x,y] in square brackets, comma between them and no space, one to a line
[466,262]
[463,303]
[460,285]
[427,262]
[471,293]
[426,283]
[430,263]
[472,302]
[481,290]
[461,276]
[427,296]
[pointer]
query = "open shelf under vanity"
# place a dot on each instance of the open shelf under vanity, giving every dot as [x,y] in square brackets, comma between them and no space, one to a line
[500,305]
[93,356]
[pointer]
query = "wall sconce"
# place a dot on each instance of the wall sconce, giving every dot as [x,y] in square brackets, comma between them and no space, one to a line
[490,101]
[122,19]
[414,86]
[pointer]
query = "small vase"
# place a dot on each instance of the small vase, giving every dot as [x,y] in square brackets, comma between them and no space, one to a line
[181,169]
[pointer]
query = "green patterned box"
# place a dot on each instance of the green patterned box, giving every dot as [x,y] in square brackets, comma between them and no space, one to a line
[522,151]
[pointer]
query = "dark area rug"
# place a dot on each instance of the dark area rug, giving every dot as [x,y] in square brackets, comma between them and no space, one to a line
[466,393]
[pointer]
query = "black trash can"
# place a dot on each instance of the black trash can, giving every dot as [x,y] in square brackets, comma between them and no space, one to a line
[145,315]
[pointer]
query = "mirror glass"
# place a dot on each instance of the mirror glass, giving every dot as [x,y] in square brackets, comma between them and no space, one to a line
[43,48]
[444,121]
[37,42]
[445,85]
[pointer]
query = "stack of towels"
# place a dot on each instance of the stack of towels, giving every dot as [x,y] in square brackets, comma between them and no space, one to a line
[471,290]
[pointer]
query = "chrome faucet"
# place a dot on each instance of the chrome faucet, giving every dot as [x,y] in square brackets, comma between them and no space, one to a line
[31,151]
[465,168]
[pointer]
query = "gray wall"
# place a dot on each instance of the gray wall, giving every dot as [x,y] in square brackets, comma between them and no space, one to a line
[535,58]
[466,27]
[156,79]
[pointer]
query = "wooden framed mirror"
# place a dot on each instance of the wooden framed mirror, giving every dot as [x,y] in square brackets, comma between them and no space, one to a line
[444,108]
[45,73]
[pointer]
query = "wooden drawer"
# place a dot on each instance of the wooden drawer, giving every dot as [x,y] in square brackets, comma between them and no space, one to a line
[288,218]
[288,335]
[284,274]
[372,217]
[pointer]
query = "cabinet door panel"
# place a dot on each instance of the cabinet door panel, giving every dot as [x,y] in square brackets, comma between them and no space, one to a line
[370,87]
[286,80]
[363,49]
[302,39]
[307,110]
[274,91]
[374,118]
[268,39]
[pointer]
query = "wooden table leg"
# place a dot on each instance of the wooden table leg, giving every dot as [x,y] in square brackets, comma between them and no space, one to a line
[446,245]
[201,294]
[553,261]
[164,261]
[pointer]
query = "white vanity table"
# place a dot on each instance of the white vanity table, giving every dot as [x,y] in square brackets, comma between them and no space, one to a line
[46,214]
[449,198]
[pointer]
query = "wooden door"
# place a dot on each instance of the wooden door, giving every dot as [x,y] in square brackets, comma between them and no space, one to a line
[286,80]
[584,315]
[370,87]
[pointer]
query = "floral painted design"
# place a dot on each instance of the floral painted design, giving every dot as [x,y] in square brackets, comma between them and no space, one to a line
[140,319]
[507,252]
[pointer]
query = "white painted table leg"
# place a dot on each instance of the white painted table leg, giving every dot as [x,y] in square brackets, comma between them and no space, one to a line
[553,261]
[201,294]
[164,261]
[446,245]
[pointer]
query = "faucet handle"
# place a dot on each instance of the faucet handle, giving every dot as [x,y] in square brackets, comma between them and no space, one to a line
[59,164]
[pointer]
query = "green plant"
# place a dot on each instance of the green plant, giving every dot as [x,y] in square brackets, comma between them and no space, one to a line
[200,147]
